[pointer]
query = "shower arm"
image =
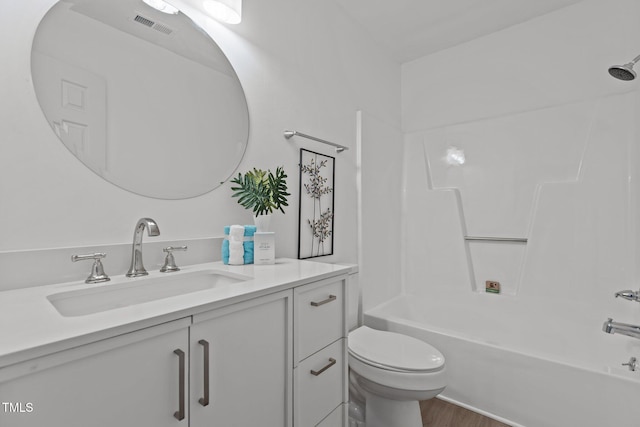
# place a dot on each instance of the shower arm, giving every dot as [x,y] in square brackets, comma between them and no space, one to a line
[634,60]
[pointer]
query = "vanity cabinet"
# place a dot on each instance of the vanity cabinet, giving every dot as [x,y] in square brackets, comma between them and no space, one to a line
[129,380]
[320,354]
[241,364]
[276,360]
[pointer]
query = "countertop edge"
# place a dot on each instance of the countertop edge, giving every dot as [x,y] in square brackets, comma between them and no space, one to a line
[47,348]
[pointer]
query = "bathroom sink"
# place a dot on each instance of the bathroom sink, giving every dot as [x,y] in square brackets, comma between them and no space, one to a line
[136,291]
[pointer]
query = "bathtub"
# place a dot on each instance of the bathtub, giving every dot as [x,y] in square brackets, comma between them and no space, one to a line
[519,374]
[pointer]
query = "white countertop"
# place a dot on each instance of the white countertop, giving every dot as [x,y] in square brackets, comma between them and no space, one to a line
[30,326]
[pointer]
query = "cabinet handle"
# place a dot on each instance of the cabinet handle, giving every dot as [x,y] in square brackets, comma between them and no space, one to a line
[204,401]
[332,362]
[318,304]
[181,362]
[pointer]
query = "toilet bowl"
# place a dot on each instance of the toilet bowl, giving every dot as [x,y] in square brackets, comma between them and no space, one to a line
[391,372]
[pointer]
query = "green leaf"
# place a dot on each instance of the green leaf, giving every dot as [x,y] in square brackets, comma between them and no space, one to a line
[261,191]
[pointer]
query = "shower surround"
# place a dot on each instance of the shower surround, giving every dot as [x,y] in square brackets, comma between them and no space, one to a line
[564,181]
[531,140]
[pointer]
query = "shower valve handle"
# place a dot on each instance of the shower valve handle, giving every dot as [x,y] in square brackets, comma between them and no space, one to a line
[629,295]
[632,364]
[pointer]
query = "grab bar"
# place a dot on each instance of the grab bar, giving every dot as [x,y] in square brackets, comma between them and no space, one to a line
[291,133]
[497,239]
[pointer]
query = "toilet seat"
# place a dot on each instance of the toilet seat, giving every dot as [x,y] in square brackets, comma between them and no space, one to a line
[395,352]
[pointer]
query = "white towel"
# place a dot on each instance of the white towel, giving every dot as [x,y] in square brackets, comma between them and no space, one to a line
[236,253]
[236,246]
[236,233]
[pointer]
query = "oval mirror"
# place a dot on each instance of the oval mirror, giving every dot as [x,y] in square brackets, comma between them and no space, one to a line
[145,99]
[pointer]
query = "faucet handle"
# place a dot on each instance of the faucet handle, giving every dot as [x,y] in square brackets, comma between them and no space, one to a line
[632,364]
[169,261]
[97,270]
[628,295]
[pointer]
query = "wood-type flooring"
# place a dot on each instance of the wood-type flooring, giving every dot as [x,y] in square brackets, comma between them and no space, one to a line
[438,413]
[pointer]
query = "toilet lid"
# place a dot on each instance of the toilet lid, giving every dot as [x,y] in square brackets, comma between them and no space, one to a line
[390,350]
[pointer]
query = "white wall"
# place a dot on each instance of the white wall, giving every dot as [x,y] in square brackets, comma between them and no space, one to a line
[551,155]
[303,66]
[555,59]
[380,179]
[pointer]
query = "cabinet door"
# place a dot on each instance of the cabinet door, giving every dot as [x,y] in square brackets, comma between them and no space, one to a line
[249,364]
[128,381]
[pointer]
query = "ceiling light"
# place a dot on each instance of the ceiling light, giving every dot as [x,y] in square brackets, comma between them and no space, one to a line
[229,11]
[162,6]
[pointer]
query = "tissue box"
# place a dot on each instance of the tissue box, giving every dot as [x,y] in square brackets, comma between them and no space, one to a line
[249,231]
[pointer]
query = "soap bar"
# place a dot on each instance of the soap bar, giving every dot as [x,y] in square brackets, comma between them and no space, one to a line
[264,247]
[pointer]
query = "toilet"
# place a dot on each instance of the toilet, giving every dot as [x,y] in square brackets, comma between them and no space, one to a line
[389,374]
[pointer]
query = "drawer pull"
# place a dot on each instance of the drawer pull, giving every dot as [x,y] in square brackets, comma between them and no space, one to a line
[318,304]
[179,414]
[332,362]
[204,401]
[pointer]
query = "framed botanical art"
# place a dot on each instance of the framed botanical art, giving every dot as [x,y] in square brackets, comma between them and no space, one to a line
[316,213]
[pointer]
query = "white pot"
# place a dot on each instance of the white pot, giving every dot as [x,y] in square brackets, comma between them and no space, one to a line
[262,222]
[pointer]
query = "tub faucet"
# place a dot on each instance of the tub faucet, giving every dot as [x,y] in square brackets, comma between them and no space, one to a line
[137,268]
[612,327]
[629,295]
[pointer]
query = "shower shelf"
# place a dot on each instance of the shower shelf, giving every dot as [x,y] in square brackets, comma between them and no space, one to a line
[497,239]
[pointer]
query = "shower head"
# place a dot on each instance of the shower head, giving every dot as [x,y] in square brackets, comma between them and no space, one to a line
[624,72]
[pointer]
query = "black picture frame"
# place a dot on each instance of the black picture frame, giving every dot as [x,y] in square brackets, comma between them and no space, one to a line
[316,213]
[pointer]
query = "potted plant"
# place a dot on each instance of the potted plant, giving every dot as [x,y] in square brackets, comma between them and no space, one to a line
[262,192]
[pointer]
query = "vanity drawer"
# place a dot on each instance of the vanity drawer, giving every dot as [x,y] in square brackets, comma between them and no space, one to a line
[319,316]
[323,390]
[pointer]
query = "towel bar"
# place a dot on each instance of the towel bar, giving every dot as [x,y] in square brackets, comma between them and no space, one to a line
[290,133]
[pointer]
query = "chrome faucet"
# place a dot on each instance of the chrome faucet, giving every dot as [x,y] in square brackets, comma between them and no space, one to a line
[629,295]
[137,268]
[612,327]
